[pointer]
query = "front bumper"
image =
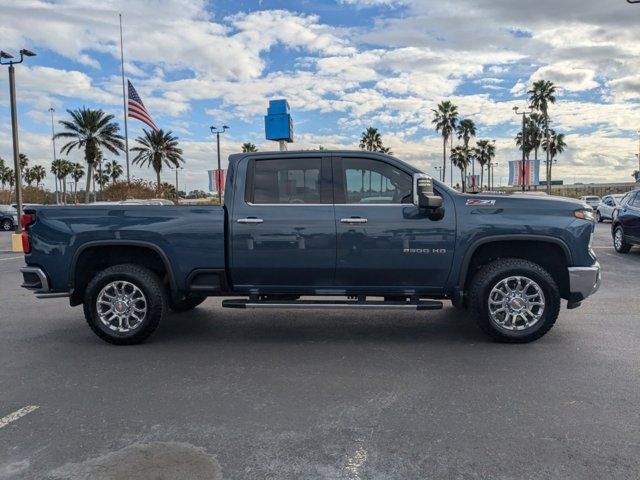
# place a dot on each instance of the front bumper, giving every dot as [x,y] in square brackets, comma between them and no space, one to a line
[584,281]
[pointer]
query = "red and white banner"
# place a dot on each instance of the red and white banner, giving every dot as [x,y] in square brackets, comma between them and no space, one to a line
[216,180]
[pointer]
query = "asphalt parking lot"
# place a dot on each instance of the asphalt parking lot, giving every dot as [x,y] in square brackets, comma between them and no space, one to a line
[340,395]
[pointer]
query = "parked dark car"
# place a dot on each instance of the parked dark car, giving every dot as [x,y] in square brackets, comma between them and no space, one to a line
[626,224]
[345,224]
[8,218]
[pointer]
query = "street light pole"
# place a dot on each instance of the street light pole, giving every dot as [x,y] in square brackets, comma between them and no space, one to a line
[14,126]
[217,131]
[53,142]
[524,141]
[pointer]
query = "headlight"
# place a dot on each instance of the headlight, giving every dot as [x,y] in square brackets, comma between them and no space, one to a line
[584,214]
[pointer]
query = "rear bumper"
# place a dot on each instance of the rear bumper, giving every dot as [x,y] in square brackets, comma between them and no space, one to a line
[36,280]
[584,281]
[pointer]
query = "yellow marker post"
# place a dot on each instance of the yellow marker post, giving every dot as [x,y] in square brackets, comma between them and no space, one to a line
[16,243]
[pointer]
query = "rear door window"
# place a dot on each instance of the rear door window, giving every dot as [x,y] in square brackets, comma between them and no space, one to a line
[286,181]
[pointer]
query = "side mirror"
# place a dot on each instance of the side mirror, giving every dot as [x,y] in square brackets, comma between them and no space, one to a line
[423,194]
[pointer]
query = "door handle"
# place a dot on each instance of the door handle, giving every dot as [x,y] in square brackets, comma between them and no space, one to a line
[353,220]
[251,220]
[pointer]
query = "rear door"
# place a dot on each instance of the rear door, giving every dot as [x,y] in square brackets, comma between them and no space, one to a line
[283,234]
[385,243]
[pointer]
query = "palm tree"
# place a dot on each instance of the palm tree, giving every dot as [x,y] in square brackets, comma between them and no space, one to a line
[529,147]
[77,172]
[91,130]
[27,176]
[101,178]
[445,119]
[158,148]
[114,170]
[9,177]
[460,159]
[541,94]
[38,172]
[467,129]
[485,152]
[535,132]
[24,161]
[554,145]
[371,140]
[386,150]
[3,169]
[249,147]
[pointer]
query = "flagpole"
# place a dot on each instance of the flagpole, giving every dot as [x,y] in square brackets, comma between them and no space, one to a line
[124,102]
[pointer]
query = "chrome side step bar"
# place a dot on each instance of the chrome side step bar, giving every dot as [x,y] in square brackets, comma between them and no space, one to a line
[332,304]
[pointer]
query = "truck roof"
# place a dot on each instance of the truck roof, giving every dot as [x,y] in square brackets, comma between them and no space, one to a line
[236,157]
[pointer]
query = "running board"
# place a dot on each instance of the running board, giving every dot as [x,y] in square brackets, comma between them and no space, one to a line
[332,304]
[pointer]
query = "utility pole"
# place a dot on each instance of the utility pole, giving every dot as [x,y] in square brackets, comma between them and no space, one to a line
[53,142]
[14,126]
[218,131]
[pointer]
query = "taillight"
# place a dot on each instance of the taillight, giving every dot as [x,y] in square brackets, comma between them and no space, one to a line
[27,220]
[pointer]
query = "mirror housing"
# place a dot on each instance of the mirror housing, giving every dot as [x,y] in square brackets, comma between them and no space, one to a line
[423,194]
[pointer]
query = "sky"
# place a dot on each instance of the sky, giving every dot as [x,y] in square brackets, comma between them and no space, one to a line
[343,65]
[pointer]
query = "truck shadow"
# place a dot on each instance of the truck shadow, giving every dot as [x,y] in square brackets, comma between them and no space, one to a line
[220,325]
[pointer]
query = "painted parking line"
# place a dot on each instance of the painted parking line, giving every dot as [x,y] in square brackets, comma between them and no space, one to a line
[18,414]
[10,258]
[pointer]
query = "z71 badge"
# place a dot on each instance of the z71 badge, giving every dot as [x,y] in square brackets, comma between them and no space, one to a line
[480,202]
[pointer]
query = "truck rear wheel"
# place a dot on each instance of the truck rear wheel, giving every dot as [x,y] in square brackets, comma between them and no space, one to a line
[124,304]
[514,300]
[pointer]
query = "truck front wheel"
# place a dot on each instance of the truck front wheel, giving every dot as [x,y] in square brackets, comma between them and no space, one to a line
[514,300]
[124,304]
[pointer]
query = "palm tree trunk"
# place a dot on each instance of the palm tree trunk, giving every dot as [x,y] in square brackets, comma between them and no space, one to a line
[158,175]
[64,190]
[546,133]
[481,176]
[462,177]
[87,193]
[444,159]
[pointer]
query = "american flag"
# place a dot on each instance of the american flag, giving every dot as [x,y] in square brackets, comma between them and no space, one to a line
[137,110]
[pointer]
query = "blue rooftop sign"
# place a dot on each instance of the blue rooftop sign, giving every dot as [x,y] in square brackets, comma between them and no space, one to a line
[278,124]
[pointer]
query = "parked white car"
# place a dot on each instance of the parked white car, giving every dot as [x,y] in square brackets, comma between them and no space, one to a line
[591,200]
[607,207]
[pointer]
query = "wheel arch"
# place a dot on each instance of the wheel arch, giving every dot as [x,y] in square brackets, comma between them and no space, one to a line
[153,256]
[551,253]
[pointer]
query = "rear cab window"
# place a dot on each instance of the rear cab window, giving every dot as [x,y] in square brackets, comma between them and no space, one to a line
[289,181]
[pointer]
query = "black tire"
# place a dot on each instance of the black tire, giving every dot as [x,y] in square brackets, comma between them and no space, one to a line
[187,304]
[490,276]
[599,216]
[154,294]
[620,246]
[7,225]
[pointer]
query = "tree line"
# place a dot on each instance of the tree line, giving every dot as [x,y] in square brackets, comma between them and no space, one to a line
[94,132]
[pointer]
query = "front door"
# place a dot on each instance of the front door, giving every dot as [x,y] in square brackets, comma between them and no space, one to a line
[385,243]
[283,230]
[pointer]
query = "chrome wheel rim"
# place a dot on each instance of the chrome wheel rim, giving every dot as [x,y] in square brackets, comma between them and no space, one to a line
[6,225]
[121,306]
[617,239]
[516,303]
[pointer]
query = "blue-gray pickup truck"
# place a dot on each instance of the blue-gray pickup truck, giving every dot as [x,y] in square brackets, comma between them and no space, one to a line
[365,228]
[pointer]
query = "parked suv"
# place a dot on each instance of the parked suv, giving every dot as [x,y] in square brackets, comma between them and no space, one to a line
[591,200]
[626,224]
[607,207]
[8,218]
